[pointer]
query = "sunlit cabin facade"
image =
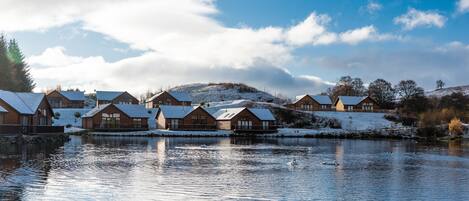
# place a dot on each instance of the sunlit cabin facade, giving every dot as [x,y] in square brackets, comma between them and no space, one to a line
[116,117]
[246,120]
[169,98]
[66,99]
[356,104]
[185,118]
[312,103]
[115,97]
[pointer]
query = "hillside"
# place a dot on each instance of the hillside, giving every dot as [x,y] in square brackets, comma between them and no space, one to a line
[448,91]
[216,92]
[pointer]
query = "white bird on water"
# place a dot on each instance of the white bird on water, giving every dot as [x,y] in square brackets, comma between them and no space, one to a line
[293,163]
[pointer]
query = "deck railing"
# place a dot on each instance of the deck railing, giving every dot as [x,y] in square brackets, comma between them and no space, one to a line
[20,129]
[194,127]
[254,129]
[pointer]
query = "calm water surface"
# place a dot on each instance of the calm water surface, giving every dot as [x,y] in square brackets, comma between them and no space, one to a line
[110,168]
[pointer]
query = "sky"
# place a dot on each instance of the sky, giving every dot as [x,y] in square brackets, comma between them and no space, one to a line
[284,47]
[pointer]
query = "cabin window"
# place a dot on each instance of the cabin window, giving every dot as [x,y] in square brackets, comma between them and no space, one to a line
[110,120]
[265,125]
[367,106]
[199,119]
[323,107]
[307,107]
[24,120]
[174,123]
[244,124]
[350,108]
[137,123]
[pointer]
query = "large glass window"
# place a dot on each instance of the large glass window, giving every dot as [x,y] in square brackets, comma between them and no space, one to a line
[265,125]
[110,120]
[367,106]
[137,123]
[244,124]
[174,123]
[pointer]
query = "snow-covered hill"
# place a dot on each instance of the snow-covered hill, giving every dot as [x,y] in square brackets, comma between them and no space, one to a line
[448,91]
[225,92]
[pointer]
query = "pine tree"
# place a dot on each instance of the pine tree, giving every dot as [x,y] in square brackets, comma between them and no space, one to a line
[20,70]
[6,80]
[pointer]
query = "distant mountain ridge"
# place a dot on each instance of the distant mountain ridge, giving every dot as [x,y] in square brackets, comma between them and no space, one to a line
[216,92]
[448,91]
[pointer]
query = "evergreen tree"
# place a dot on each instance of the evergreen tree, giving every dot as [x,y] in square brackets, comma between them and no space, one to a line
[6,81]
[20,70]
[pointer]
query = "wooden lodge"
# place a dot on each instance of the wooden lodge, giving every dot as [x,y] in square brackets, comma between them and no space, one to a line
[246,120]
[66,99]
[114,97]
[356,104]
[185,118]
[169,98]
[116,117]
[26,113]
[312,103]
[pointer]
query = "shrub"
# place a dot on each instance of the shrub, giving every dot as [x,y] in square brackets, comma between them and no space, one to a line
[56,115]
[455,127]
[77,115]
[68,126]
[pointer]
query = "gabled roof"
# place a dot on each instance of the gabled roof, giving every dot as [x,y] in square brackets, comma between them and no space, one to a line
[133,111]
[108,95]
[179,96]
[351,100]
[3,109]
[73,95]
[228,113]
[321,99]
[263,114]
[176,112]
[24,103]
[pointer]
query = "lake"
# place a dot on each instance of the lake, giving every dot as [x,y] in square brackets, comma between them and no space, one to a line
[139,168]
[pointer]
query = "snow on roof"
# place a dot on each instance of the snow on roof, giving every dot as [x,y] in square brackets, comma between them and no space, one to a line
[227,113]
[24,103]
[134,111]
[108,95]
[131,110]
[263,114]
[74,95]
[352,100]
[181,96]
[3,109]
[176,112]
[322,99]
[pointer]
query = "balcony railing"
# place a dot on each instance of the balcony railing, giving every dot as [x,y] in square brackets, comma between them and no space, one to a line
[19,129]
[193,127]
[254,129]
[121,128]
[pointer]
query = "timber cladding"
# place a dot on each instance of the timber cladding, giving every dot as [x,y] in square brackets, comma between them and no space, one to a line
[57,100]
[166,98]
[309,104]
[42,116]
[198,119]
[366,105]
[124,121]
[125,98]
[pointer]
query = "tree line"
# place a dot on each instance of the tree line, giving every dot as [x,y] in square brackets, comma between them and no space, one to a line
[14,71]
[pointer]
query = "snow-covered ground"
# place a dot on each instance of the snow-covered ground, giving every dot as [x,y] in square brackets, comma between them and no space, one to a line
[359,120]
[67,116]
[448,91]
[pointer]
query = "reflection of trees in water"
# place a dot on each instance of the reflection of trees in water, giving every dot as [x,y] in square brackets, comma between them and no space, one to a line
[29,162]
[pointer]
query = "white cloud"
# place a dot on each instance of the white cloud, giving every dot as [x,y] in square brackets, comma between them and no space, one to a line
[373,7]
[367,33]
[463,6]
[311,31]
[415,18]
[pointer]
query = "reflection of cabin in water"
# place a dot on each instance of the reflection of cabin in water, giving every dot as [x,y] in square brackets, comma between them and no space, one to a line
[116,117]
[246,120]
[356,104]
[66,99]
[26,113]
[185,118]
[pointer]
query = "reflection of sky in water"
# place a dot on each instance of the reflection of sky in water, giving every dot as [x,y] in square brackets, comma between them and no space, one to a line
[222,168]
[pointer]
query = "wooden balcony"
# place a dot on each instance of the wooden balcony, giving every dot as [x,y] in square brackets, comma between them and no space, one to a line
[29,130]
[194,127]
[254,129]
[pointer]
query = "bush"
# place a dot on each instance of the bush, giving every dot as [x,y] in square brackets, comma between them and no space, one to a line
[455,127]
[56,115]
[68,126]
[334,123]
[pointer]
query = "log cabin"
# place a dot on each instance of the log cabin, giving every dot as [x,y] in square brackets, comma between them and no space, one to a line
[26,113]
[169,98]
[356,104]
[66,99]
[312,103]
[116,117]
[246,120]
[185,118]
[115,97]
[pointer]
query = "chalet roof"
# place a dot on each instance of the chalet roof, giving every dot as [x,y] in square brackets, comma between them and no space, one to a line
[179,96]
[3,109]
[321,99]
[176,112]
[108,95]
[133,111]
[24,103]
[73,95]
[228,113]
[352,100]
[263,114]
